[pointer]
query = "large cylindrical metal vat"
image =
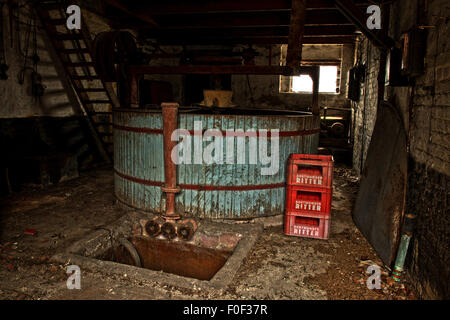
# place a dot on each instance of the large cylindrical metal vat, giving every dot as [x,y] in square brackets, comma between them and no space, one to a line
[225,178]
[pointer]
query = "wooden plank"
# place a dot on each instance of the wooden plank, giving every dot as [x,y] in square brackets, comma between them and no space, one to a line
[262,31]
[254,40]
[213,69]
[155,8]
[296,32]
[380,204]
[245,19]
[137,13]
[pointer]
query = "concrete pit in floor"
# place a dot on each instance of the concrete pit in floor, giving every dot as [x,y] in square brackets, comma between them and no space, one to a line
[178,258]
[209,260]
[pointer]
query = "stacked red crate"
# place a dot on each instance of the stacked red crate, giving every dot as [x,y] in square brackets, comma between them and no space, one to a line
[308,196]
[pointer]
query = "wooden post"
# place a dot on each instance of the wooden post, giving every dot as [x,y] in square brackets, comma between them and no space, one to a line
[296,31]
[315,76]
[134,90]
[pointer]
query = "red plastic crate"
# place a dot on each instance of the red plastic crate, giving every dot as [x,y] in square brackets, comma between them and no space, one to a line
[306,227]
[312,202]
[310,170]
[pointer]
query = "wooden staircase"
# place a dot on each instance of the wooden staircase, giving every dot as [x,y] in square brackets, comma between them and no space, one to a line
[74,48]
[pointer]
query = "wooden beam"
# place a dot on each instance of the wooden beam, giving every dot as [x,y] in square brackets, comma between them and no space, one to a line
[296,32]
[254,40]
[159,8]
[139,70]
[263,31]
[142,16]
[245,19]
[315,76]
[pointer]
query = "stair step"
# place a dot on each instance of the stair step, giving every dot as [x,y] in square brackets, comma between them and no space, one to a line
[96,101]
[99,113]
[85,77]
[92,90]
[80,64]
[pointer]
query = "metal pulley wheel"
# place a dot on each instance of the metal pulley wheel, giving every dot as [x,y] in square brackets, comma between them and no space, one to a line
[113,50]
[338,129]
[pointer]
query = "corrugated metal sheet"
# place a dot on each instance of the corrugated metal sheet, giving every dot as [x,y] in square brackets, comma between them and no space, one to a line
[233,191]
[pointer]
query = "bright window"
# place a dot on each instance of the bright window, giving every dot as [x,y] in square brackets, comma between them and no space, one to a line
[328,83]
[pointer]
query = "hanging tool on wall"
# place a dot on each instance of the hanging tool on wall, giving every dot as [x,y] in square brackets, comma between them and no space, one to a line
[37,88]
[12,6]
[3,65]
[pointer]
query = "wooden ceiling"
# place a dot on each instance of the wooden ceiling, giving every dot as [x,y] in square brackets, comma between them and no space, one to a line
[182,22]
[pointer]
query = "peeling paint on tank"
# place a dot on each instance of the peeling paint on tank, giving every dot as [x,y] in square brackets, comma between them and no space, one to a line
[217,191]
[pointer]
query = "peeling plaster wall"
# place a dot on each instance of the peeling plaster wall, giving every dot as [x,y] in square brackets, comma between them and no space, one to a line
[16,99]
[30,127]
[264,91]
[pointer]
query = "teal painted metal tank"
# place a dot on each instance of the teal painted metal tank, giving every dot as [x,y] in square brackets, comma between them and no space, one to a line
[226,174]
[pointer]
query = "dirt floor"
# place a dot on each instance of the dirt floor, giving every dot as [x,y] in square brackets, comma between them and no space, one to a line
[278,266]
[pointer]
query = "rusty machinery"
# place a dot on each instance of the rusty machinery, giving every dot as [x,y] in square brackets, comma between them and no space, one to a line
[170,224]
[114,52]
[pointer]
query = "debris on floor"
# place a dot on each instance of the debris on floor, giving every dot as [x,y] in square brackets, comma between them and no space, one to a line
[277,267]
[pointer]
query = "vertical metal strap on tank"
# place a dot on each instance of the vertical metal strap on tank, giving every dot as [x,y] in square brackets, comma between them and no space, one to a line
[170,116]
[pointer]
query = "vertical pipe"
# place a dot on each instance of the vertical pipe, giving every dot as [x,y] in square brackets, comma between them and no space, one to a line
[170,116]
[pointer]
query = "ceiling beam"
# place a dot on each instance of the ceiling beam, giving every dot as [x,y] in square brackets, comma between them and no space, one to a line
[324,17]
[141,15]
[156,8]
[135,71]
[253,40]
[247,32]
[238,20]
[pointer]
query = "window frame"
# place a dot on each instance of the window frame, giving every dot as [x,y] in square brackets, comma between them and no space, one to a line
[320,64]
[286,81]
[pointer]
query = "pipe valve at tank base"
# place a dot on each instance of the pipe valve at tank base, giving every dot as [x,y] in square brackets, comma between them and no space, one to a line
[170,229]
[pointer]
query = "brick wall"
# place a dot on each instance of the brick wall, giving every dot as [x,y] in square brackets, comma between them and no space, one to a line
[428,119]
[428,181]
